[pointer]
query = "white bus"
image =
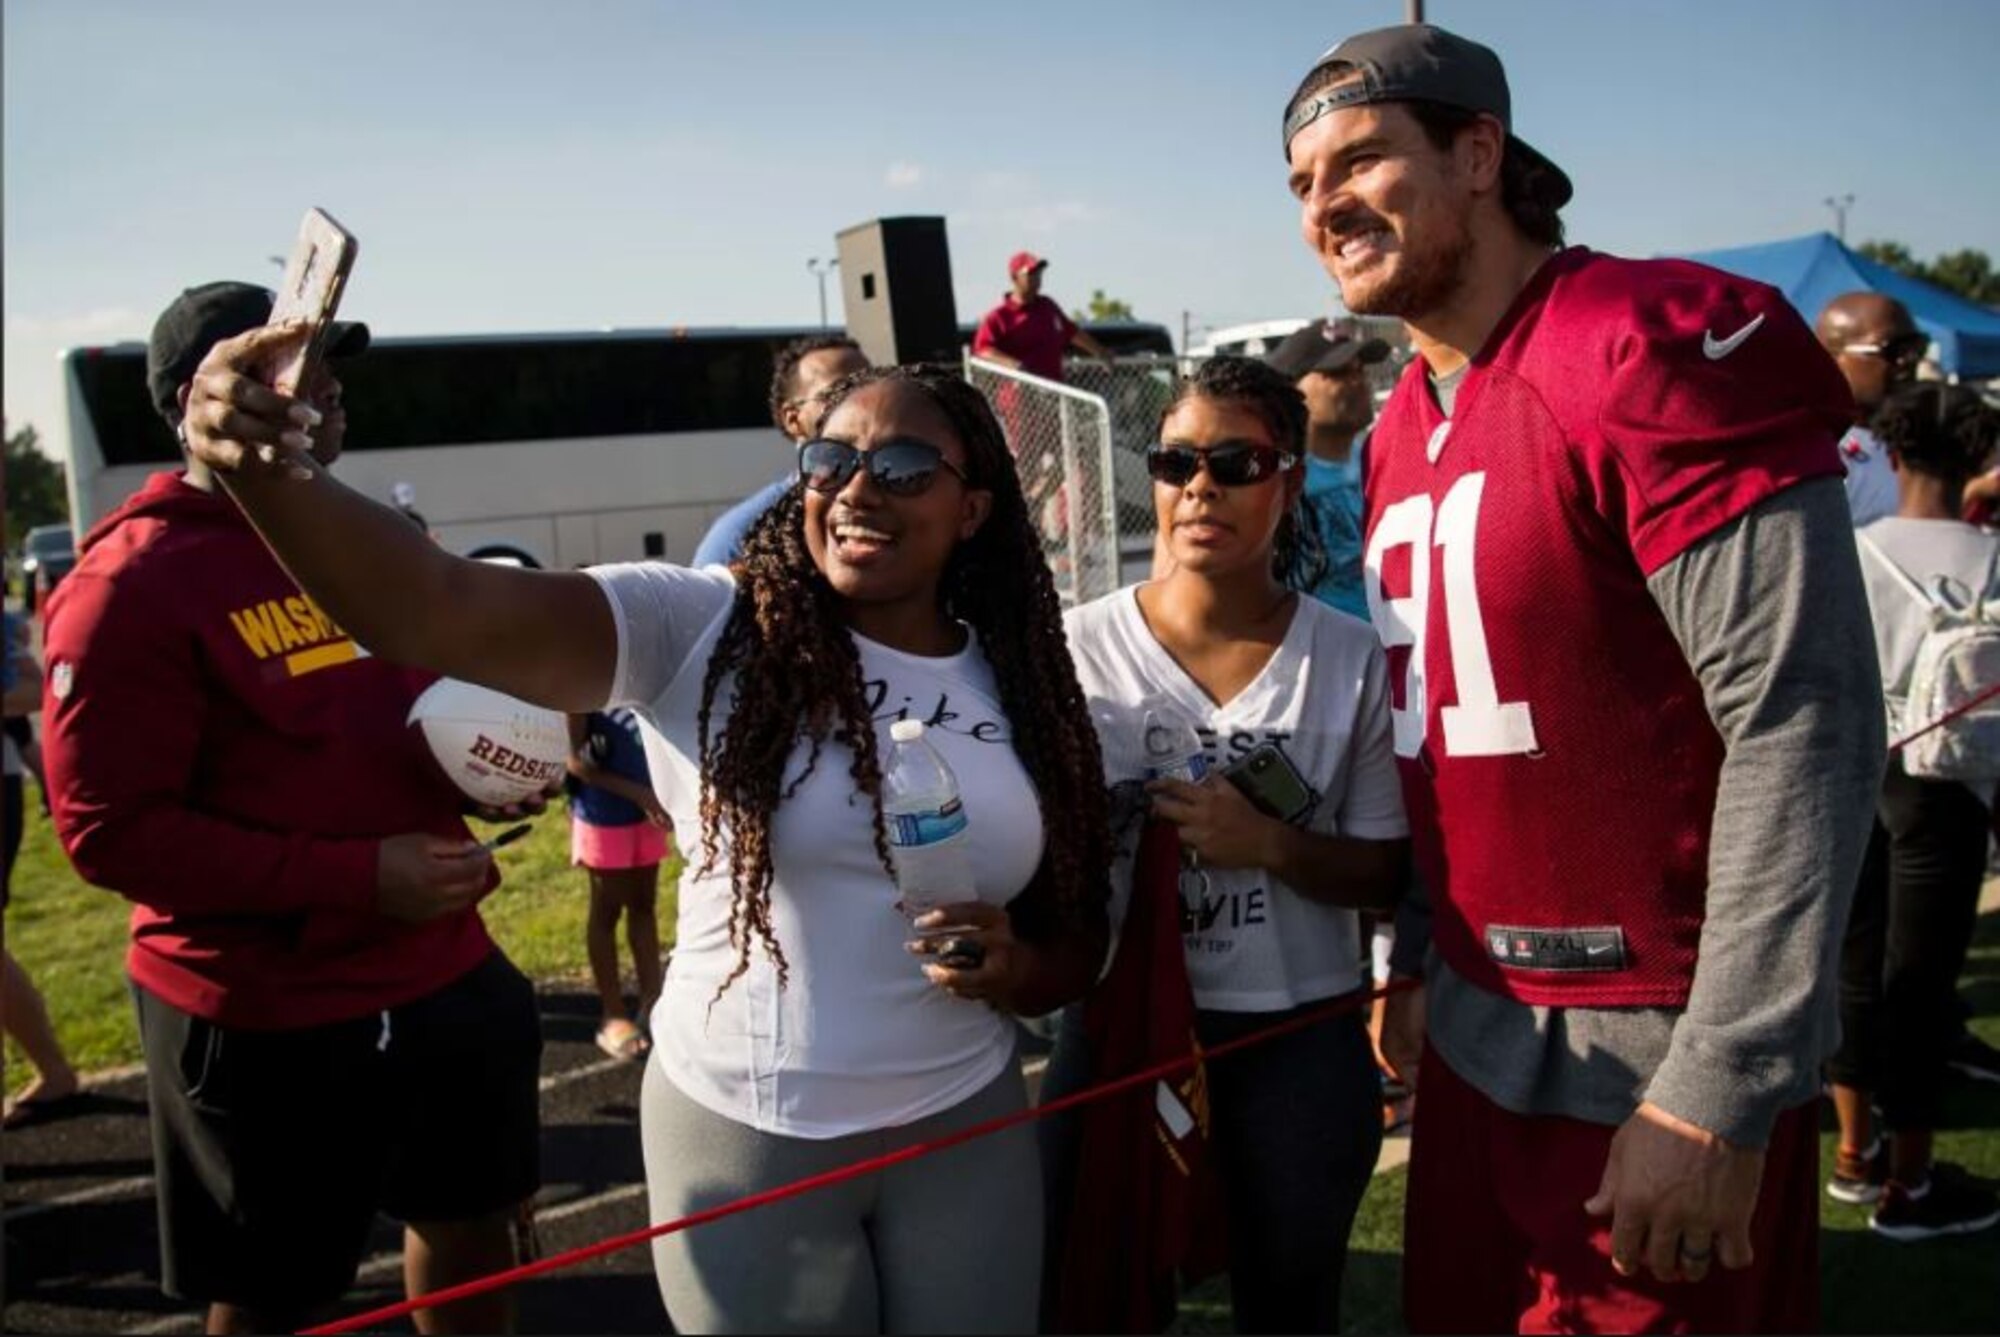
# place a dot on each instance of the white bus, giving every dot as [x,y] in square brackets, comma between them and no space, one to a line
[558,449]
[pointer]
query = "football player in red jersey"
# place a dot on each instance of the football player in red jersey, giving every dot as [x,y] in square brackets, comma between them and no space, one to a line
[1639,730]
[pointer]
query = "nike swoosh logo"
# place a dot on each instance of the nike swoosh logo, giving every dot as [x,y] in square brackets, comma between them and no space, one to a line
[1600,951]
[1715,349]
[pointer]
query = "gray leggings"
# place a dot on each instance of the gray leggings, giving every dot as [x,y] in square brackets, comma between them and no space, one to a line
[949,1242]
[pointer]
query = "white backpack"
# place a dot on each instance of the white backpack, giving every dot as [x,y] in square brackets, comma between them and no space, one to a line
[1957,659]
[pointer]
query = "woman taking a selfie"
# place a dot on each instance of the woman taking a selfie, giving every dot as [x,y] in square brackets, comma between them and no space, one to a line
[1291,697]
[804,1025]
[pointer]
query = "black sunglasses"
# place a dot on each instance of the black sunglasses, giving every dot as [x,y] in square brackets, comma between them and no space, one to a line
[1900,351]
[1237,464]
[904,467]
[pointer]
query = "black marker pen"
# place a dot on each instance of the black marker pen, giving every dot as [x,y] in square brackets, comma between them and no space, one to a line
[507,837]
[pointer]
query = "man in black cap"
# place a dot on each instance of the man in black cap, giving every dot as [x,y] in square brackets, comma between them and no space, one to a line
[1330,362]
[1636,713]
[328,1028]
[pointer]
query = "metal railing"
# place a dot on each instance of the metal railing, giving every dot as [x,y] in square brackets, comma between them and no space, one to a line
[1136,390]
[1061,437]
[1080,446]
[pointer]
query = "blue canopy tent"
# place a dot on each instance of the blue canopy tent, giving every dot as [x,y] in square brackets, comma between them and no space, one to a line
[1813,270]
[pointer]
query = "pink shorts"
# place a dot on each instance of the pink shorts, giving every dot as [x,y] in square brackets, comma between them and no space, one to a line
[610,848]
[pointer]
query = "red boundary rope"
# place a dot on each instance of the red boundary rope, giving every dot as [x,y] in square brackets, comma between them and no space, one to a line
[921,1149]
[481,1285]
[1961,708]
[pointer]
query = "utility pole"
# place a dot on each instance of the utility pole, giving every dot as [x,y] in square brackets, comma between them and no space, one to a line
[819,269]
[1187,326]
[1840,205]
[1413,11]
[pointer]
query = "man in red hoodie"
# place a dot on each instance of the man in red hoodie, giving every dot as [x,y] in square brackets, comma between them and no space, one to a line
[328,1029]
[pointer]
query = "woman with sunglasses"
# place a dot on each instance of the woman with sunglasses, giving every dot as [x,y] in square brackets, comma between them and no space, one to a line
[804,1025]
[1225,642]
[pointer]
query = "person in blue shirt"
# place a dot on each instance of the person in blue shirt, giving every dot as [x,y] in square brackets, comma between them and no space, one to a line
[1330,364]
[619,835]
[803,368]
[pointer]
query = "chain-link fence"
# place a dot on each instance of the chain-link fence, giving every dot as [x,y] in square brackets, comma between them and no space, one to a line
[1081,450]
[1136,392]
[1069,438]
[1061,437]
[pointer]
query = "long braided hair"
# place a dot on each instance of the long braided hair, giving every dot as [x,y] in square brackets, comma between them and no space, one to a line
[1298,554]
[797,674]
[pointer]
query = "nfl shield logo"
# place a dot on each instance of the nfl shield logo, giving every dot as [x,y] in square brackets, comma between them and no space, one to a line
[1496,943]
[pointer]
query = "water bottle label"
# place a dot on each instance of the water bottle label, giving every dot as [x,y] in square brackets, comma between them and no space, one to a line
[911,829]
[1190,768]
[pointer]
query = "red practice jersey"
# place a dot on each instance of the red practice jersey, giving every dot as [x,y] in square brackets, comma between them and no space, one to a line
[1558,761]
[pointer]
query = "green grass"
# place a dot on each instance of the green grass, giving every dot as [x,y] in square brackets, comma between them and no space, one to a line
[71,940]
[71,937]
[1867,1284]
[1870,1284]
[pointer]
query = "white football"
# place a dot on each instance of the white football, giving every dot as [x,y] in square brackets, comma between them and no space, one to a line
[497,749]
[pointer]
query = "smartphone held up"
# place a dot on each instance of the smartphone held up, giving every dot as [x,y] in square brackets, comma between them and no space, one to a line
[310,291]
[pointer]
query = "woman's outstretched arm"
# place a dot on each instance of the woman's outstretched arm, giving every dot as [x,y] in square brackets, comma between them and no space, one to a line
[544,636]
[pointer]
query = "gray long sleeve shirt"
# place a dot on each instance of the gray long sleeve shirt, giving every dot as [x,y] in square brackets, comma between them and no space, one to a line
[1770,613]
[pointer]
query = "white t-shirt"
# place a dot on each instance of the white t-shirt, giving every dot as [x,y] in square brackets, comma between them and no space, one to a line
[1871,479]
[1254,944]
[858,1039]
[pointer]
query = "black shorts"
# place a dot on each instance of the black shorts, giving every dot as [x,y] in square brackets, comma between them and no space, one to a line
[273,1150]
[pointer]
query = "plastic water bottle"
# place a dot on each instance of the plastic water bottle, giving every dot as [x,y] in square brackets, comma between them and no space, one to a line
[926,823]
[1173,748]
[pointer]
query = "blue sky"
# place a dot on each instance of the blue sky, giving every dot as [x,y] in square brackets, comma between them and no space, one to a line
[516,166]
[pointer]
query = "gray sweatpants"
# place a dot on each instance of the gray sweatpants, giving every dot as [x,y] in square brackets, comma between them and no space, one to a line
[949,1242]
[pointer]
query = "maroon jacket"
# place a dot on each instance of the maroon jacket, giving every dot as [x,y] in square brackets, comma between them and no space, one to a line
[1147,1214]
[225,757]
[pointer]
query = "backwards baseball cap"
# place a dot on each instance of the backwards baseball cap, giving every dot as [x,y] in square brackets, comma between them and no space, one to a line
[1024,261]
[1323,346]
[203,317]
[1416,62]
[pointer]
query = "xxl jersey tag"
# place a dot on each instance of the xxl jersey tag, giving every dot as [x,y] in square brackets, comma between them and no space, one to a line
[1556,948]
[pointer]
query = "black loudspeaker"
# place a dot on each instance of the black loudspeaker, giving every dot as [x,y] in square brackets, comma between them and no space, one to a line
[895,282]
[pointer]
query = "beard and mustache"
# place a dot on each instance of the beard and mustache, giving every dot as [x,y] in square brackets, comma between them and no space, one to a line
[1420,278]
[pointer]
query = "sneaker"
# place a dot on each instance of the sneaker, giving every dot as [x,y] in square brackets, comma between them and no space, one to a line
[1953,1203]
[1858,1177]
[1973,1057]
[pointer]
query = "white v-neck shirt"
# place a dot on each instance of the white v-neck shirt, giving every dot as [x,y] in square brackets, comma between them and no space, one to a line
[1253,943]
[857,1039]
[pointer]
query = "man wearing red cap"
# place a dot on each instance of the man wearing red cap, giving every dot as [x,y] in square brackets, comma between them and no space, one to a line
[1609,554]
[1029,331]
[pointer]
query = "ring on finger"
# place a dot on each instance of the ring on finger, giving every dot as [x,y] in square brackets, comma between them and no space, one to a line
[1701,1255]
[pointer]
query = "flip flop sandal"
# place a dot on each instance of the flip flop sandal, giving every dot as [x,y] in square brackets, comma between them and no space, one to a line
[621,1040]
